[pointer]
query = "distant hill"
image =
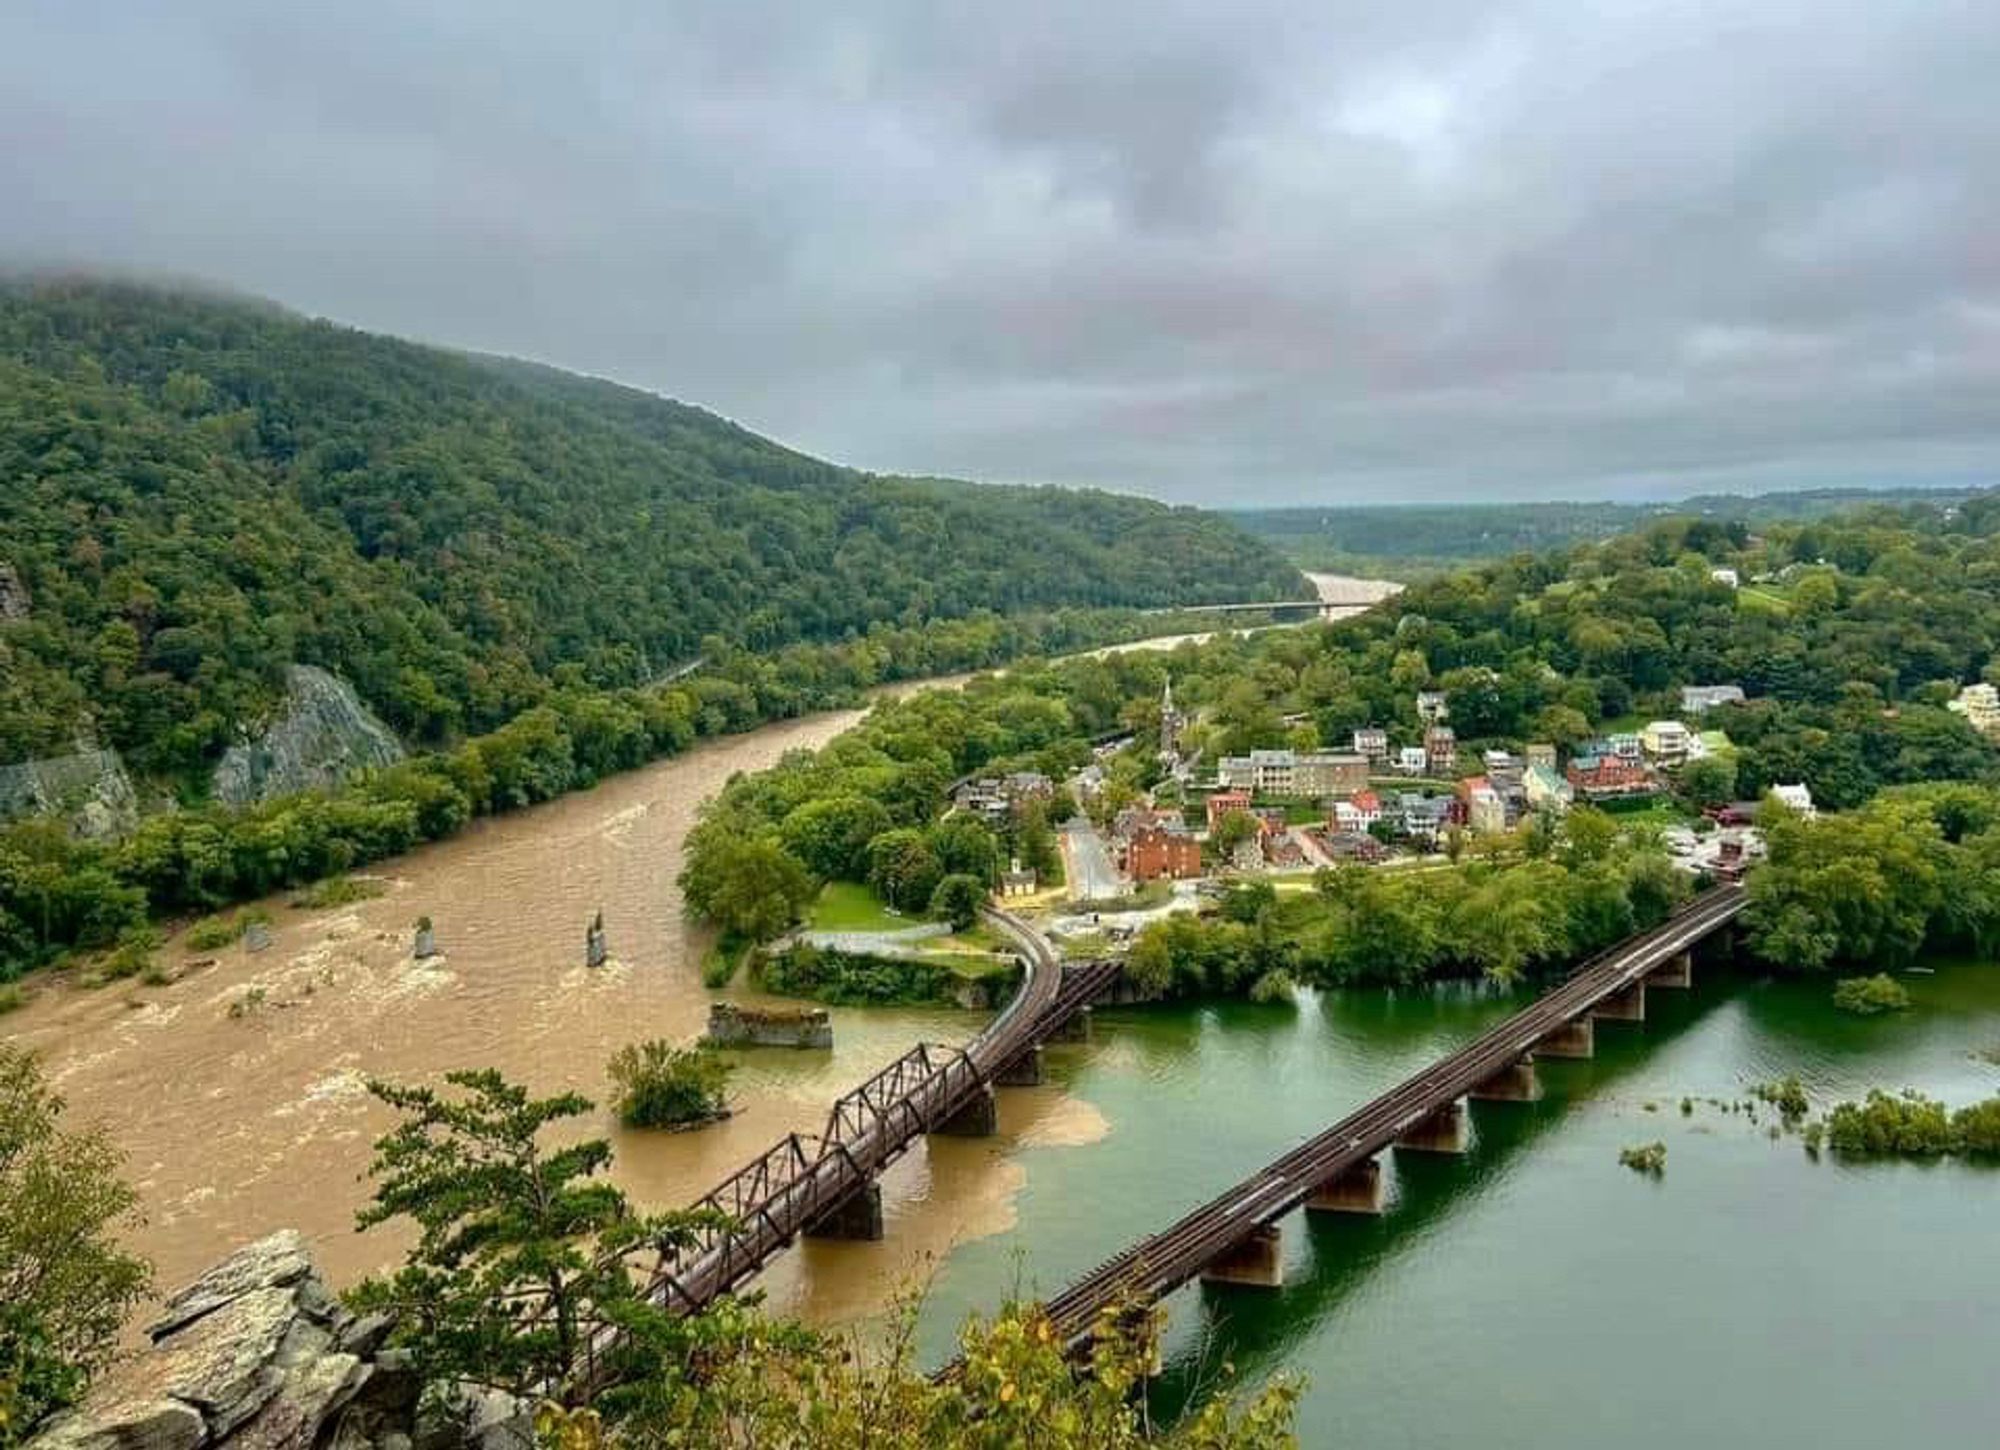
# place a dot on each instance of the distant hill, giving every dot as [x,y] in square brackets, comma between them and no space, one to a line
[1405,540]
[197,493]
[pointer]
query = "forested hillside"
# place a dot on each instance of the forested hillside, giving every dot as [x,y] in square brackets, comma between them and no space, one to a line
[1410,540]
[196,492]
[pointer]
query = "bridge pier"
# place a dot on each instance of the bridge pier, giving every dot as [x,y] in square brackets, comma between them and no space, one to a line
[1513,1084]
[1024,1071]
[1077,1029]
[1626,1006]
[1358,1190]
[857,1216]
[1144,1326]
[979,1118]
[1257,1260]
[1442,1132]
[1572,1039]
[1678,971]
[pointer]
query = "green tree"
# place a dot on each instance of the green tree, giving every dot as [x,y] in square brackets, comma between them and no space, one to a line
[903,869]
[831,835]
[523,1251]
[1710,781]
[749,885]
[65,1282]
[958,900]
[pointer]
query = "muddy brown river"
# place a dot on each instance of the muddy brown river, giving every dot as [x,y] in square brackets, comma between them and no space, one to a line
[236,1125]
[239,1092]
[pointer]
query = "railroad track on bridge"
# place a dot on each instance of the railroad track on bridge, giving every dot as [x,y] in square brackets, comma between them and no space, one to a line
[803,1181]
[1150,1270]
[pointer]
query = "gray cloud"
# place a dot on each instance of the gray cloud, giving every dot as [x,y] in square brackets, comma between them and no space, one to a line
[1260,252]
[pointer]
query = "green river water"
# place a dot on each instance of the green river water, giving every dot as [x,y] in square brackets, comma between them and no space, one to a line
[1534,1292]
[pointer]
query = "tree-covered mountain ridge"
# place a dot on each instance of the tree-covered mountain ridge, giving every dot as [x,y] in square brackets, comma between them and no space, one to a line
[198,492]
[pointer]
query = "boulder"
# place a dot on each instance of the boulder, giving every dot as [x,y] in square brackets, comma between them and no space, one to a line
[257,1354]
[88,789]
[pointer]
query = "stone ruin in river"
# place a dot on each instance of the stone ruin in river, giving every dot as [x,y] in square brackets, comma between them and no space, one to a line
[732,1026]
[595,952]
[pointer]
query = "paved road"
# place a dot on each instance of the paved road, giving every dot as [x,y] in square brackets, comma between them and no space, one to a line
[1092,877]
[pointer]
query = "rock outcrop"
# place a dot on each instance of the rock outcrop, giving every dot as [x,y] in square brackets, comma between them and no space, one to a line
[256,1354]
[324,735]
[14,600]
[89,790]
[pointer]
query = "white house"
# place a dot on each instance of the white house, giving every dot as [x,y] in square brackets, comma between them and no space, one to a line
[1726,576]
[1699,699]
[1666,740]
[1412,760]
[1798,798]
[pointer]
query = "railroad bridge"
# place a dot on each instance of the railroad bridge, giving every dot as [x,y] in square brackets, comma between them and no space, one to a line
[1235,1237]
[827,1185]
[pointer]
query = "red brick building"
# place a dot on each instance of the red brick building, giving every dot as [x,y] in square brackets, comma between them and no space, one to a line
[1155,852]
[1223,802]
[1610,775]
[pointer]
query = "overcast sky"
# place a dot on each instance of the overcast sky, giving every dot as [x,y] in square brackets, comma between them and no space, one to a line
[1246,252]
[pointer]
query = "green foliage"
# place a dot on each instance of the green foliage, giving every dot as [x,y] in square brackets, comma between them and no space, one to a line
[208,490]
[1870,996]
[831,836]
[338,891]
[216,932]
[65,1282]
[903,869]
[1647,1158]
[12,997]
[664,1086]
[522,1249]
[854,978]
[1787,1095]
[748,885]
[958,900]
[1909,1124]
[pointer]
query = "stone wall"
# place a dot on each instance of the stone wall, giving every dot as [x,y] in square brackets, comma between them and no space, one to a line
[324,735]
[256,1354]
[732,1026]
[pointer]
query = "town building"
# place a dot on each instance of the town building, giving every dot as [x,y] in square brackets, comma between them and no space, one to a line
[1424,817]
[994,798]
[1360,812]
[1441,749]
[1166,851]
[1726,576]
[1798,798]
[1223,802]
[1700,699]
[1666,740]
[1485,811]
[1411,760]
[1601,777]
[1541,754]
[1290,773]
[1352,846]
[1432,706]
[1373,742]
[1980,705]
[1017,880]
[1543,789]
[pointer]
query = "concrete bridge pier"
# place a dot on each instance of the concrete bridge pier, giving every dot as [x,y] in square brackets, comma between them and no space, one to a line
[1442,1132]
[1077,1029]
[1024,1071]
[1258,1261]
[857,1216]
[1626,1006]
[979,1118]
[1358,1190]
[1576,1039]
[1515,1083]
[1678,971]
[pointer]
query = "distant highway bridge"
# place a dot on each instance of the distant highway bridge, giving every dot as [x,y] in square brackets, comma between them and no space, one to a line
[1328,607]
[1234,1237]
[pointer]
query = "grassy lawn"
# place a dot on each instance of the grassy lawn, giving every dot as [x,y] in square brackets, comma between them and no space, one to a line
[1662,812]
[1759,600]
[850,906]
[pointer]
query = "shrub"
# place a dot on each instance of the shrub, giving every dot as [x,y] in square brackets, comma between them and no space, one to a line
[1787,1095]
[1275,985]
[11,997]
[216,932]
[1977,1128]
[1909,1124]
[1868,996]
[664,1086]
[338,891]
[1647,1158]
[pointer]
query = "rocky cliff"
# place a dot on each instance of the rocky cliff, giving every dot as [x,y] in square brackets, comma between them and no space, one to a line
[256,1354]
[323,735]
[89,789]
